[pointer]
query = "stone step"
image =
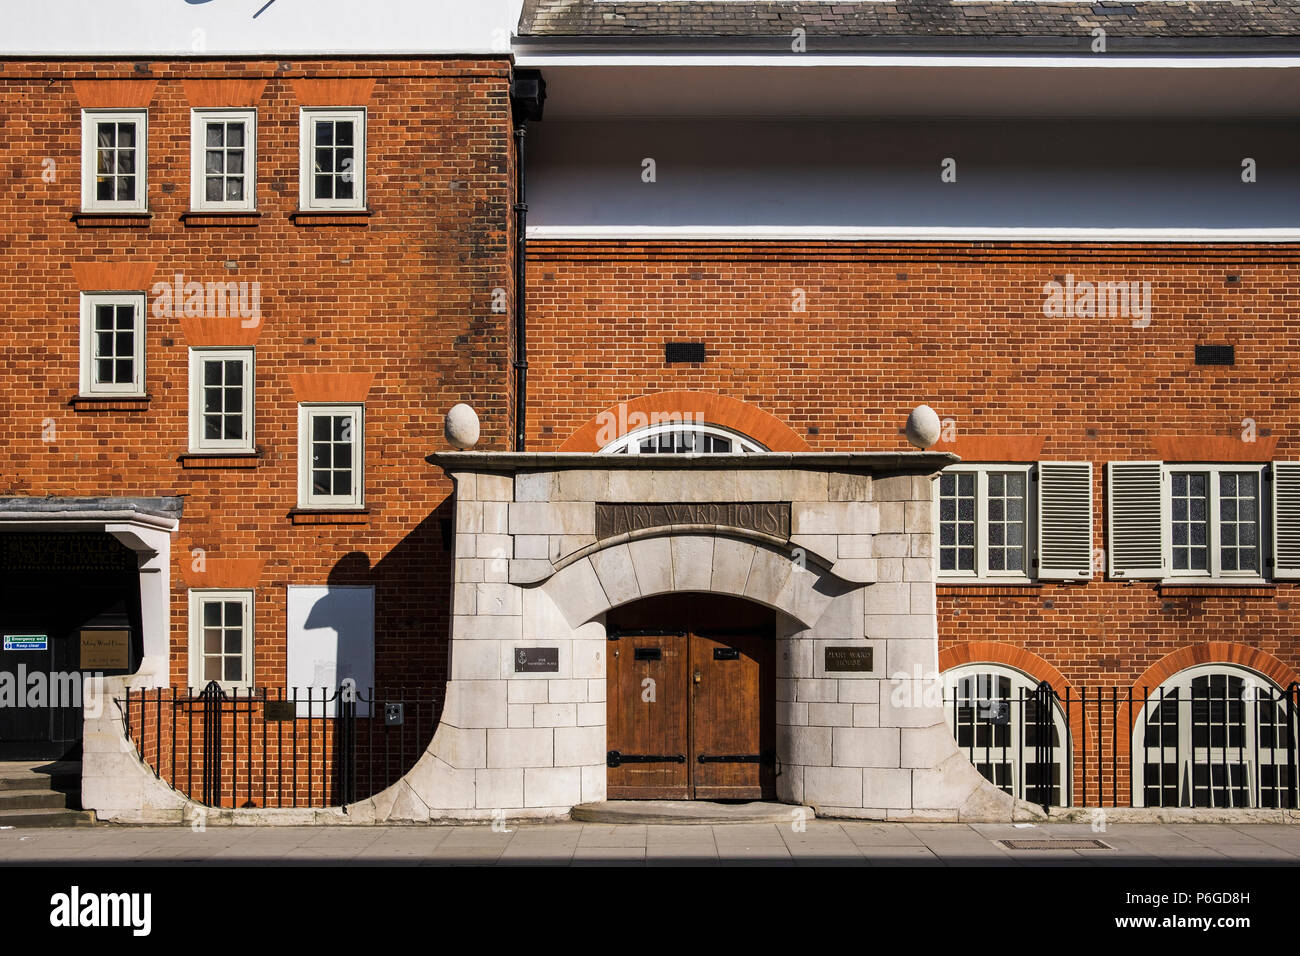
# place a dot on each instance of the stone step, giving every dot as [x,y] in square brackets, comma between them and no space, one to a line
[32,800]
[46,818]
[59,781]
[688,811]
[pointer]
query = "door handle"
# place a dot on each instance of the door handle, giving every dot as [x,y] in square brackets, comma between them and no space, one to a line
[697,675]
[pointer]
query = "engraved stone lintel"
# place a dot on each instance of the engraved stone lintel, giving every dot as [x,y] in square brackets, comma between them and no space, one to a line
[767,517]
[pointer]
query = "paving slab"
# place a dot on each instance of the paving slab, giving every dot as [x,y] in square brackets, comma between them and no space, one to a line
[564,843]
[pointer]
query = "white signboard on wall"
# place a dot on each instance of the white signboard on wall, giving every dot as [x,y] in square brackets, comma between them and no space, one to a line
[331,639]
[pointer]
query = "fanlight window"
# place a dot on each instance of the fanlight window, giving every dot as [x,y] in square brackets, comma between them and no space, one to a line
[679,438]
[1214,736]
[993,713]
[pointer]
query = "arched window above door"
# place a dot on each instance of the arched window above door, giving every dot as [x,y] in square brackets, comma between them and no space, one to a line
[683,438]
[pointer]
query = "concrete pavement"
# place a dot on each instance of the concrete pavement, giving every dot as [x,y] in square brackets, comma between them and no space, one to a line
[819,842]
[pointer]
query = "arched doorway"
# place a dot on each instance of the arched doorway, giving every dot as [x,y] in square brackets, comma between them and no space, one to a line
[691,699]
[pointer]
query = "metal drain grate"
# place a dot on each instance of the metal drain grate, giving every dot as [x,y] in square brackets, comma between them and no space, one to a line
[1055,845]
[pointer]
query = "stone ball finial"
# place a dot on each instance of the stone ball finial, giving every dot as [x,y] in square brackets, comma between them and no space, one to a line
[461,426]
[923,426]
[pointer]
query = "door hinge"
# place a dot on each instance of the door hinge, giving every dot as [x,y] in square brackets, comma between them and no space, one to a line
[767,756]
[615,758]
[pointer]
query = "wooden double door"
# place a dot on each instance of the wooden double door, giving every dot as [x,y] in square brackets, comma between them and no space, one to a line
[691,700]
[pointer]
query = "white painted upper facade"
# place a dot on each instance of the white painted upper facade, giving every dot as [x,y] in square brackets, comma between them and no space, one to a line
[257,27]
[990,178]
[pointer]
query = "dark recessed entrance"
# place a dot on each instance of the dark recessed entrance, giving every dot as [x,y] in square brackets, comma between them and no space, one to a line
[691,699]
[69,605]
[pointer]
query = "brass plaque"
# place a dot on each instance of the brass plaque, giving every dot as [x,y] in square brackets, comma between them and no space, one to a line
[105,650]
[848,658]
[279,710]
[767,517]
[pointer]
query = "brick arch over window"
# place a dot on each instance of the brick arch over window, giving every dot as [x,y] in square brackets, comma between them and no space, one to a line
[994,652]
[1212,652]
[711,409]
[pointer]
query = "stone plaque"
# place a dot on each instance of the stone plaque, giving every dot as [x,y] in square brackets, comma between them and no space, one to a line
[105,650]
[767,517]
[848,658]
[532,660]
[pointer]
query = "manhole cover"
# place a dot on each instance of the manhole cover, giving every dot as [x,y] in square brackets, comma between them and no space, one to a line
[1055,845]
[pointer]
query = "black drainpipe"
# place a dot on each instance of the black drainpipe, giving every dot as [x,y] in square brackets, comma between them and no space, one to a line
[527,98]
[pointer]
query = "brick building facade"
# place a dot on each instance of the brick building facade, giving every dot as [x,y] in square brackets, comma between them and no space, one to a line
[963,327]
[402,307]
[752,233]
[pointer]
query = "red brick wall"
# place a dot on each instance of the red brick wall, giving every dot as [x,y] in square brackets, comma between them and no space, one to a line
[961,327]
[405,294]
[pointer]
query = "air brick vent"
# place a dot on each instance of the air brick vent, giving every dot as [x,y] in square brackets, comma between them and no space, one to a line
[684,352]
[1216,355]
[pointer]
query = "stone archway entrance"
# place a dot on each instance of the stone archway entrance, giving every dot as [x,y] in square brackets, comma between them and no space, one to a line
[691,699]
[548,546]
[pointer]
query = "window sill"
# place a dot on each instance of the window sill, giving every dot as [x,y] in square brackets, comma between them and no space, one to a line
[986,588]
[221,217]
[331,217]
[1247,587]
[110,403]
[211,460]
[987,582]
[305,516]
[96,219]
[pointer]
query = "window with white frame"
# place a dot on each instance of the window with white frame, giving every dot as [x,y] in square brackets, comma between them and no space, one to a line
[221,638]
[683,438]
[1185,522]
[114,161]
[330,456]
[1213,735]
[333,159]
[112,344]
[984,521]
[993,711]
[223,159]
[1010,523]
[1215,519]
[221,399]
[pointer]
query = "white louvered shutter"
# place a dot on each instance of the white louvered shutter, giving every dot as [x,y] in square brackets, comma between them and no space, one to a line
[1135,519]
[1064,520]
[1286,519]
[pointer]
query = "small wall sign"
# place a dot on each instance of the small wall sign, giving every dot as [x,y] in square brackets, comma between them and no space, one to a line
[848,658]
[279,710]
[27,642]
[105,650]
[532,660]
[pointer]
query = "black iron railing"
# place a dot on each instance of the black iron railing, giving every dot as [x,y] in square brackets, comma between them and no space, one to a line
[271,747]
[1213,740]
